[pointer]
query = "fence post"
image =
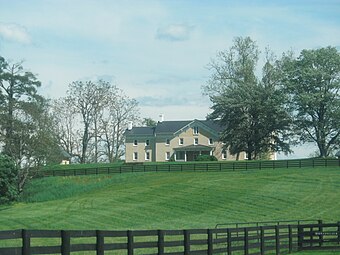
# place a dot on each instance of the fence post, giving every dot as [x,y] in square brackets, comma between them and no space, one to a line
[338,232]
[246,242]
[65,242]
[210,242]
[277,239]
[26,242]
[160,242]
[320,230]
[229,241]
[300,229]
[262,240]
[130,242]
[290,239]
[100,243]
[186,242]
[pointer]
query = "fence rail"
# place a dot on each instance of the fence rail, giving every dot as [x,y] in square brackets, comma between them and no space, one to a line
[275,239]
[194,167]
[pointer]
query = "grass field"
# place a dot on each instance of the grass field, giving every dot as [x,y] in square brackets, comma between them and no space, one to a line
[176,200]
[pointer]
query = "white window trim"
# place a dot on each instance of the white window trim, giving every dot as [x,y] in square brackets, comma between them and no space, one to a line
[135,156]
[146,158]
[224,154]
[135,144]
[166,155]
[179,141]
[166,142]
[195,139]
[195,130]
[147,144]
[210,141]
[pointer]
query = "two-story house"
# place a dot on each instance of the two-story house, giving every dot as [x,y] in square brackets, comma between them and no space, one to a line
[177,140]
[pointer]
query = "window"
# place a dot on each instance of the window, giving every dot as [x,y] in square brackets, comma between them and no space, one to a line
[196,141]
[195,130]
[167,141]
[224,154]
[181,141]
[147,142]
[167,155]
[211,141]
[147,155]
[135,143]
[135,155]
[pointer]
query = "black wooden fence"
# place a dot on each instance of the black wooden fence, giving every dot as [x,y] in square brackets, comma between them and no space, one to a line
[195,167]
[319,236]
[277,239]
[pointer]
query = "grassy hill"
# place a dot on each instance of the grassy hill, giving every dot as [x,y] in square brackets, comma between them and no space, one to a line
[175,200]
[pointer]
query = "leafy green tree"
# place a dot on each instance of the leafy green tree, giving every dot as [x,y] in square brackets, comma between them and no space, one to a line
[250,109]
[27,133]
[312,82]
[17,89]
[148,122]
[8,180]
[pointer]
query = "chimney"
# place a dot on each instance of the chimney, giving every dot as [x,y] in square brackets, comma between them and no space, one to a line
[161,117]
[129,125]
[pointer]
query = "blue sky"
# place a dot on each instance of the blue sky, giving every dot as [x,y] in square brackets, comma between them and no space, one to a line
[156,51]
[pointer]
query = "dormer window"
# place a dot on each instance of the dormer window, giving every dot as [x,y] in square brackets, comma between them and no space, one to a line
[167,141]
[135,142]
[147,142]
[195,130]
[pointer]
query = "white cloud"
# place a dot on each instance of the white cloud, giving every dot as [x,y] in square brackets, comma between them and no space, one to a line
[14,32]
[174,32]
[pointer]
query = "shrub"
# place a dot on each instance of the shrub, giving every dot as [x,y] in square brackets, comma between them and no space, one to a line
[206,158]
[8,180]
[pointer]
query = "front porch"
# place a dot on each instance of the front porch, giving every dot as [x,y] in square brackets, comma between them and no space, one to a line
[191,152]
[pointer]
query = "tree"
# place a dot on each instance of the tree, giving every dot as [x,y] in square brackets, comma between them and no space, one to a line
[8,180]
[148,122]
[88,99]
[312,82]
[65,123]
[121,111]
[17,88]
[103,112]
[251,110]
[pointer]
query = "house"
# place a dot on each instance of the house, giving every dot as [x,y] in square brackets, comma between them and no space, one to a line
[175,140]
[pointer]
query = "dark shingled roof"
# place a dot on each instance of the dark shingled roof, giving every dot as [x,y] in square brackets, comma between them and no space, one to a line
[140,131]
[171,127]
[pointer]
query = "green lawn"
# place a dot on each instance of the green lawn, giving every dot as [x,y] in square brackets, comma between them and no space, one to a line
[176,200]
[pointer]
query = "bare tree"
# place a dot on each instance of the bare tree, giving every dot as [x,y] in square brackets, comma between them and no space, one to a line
[88,98]
[122,110]
[65,122]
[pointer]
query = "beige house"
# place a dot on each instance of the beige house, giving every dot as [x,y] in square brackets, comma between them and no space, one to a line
[177,140]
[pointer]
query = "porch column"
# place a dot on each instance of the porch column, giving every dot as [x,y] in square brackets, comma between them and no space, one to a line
[185,156]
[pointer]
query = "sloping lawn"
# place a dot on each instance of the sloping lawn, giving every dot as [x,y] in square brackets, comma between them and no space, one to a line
[175,200]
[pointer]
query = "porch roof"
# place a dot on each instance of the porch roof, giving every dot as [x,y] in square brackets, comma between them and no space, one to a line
[197,147]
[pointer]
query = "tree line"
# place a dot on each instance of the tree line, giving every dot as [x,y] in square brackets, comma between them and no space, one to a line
[291,100]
